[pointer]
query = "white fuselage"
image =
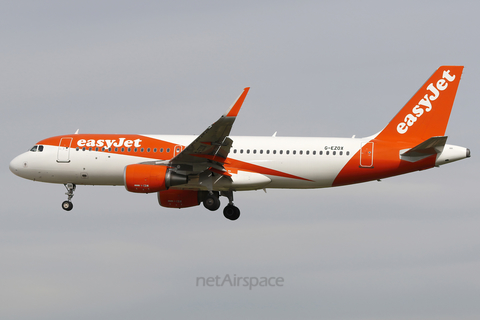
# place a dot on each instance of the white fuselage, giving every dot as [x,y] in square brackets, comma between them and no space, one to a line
[316,160]
[268,162]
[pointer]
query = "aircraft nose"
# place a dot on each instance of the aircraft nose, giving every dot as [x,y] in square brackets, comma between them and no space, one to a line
[17,164]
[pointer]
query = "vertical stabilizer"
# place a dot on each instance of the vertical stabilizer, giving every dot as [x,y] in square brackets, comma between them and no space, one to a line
[426,114]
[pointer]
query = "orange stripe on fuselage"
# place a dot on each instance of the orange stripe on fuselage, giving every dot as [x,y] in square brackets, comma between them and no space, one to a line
[245,166]
[131,144]
[386,163]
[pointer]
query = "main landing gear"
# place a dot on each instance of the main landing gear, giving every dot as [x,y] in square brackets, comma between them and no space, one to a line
[68,205]
[212,203]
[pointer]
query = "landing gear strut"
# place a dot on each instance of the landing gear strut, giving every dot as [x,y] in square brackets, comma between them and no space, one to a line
[68,205]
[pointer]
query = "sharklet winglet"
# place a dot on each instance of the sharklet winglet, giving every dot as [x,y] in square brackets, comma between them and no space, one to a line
[233,111]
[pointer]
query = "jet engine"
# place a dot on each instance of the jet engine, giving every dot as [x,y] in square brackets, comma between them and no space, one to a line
[147,178]
[174,198]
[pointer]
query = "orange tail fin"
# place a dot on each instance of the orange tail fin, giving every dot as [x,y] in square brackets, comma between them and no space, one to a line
[426,114]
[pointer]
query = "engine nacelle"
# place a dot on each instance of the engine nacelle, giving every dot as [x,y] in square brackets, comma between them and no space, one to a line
[147,178]
[180,198]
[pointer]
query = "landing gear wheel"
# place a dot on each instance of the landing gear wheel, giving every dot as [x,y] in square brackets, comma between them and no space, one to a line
[231,212]
[211,202]
[67,205]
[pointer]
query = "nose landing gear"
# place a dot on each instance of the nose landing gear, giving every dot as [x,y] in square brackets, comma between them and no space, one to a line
[68,205]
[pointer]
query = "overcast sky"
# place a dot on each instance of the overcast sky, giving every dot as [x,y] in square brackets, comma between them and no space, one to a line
[404,248]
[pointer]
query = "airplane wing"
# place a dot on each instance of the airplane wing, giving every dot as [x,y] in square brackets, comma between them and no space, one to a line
[210,149]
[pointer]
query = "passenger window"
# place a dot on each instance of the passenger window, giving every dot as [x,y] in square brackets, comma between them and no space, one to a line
[83,149]
[76,148]
[327,153]
[154,149]
[241,150]
[294,152]
[341,152]
[320,152]
[248,150]
[161,149]
[116,149]
[281,151]
[314,152]
[334,152]
[287,152]
[348,153]
[148,149]
[300,152]
[168,150]
[141,150]
[254,151]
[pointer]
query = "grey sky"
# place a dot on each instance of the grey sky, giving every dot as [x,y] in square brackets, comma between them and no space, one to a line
[405,248]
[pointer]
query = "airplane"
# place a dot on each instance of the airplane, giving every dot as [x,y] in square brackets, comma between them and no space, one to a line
[187,170]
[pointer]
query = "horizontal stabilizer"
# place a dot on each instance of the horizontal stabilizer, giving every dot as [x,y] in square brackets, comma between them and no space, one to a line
[429,147]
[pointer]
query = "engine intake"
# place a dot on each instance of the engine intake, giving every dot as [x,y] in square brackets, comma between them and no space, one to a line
[147,178]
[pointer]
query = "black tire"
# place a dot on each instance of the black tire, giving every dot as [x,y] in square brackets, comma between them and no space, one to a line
[67,205]
[211,202]
[231,212]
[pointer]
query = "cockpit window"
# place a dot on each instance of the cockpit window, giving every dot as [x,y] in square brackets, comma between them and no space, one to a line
[37,148]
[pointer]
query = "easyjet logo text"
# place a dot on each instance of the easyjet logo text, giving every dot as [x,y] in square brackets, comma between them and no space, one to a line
[122,142]
[425,104]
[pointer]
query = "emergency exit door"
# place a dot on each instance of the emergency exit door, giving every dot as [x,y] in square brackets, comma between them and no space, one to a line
[366,155]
